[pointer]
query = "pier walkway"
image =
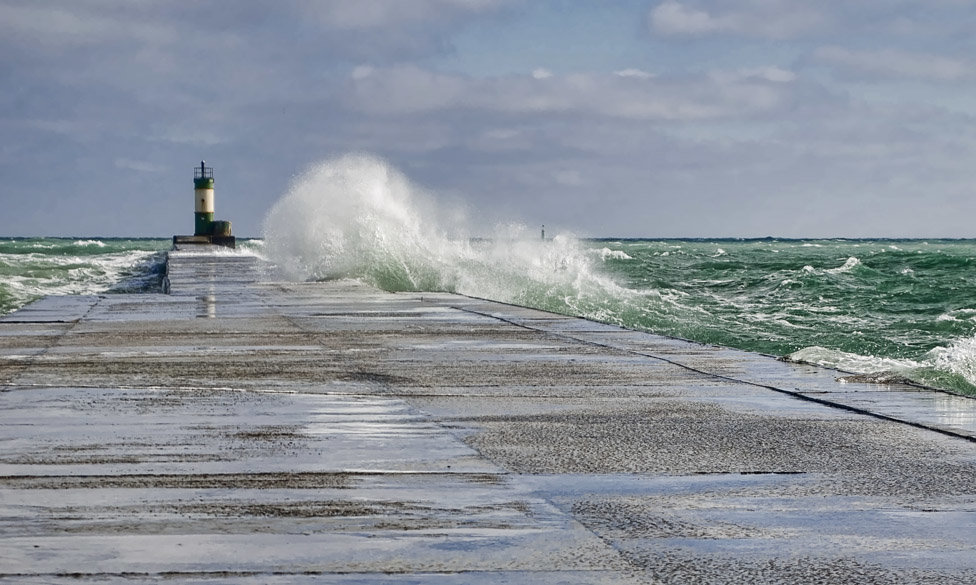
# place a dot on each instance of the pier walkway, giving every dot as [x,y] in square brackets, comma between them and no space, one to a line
[243,430]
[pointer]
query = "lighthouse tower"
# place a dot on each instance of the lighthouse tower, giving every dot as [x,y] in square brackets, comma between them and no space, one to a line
[206,231]
[203,198]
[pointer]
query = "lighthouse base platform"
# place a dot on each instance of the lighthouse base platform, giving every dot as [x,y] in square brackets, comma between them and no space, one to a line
[183,242]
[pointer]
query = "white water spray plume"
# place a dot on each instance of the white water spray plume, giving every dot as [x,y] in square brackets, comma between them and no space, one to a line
[358,217]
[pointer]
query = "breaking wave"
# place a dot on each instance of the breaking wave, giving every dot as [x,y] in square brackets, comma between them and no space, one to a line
[358,217]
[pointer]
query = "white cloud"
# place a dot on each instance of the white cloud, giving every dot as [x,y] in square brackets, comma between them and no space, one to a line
[774,74]
[892,63]
[774,19]
[634,73]
[362,72]
[673,18]
[771,74]
[541,74]
[568,177]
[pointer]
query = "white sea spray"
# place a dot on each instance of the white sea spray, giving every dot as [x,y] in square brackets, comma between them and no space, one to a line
[358,217]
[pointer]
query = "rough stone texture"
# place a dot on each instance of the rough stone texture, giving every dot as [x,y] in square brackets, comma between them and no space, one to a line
[242,430]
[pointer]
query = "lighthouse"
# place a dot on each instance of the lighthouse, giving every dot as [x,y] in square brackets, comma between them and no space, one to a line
[206,231]
[203,199]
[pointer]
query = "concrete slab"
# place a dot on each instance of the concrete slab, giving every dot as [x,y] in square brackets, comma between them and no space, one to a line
[66,309]
[242,430]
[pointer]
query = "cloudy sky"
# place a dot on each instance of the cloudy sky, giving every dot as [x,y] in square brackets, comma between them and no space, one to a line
[603,118]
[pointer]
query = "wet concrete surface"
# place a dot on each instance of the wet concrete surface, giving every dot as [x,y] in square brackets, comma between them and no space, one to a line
[243,430]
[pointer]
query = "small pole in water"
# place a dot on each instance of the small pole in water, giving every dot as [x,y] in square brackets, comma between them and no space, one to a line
[543,231]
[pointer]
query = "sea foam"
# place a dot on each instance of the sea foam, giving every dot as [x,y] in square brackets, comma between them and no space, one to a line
[70,268]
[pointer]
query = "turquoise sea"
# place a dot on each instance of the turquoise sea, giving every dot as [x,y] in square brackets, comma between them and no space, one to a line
[34,267]
[889,307]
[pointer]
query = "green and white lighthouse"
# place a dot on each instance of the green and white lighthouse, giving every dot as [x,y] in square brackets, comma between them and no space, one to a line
[205,229]
[203,197]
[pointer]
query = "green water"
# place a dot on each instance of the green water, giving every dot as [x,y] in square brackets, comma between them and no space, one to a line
[31,268]
[899,306]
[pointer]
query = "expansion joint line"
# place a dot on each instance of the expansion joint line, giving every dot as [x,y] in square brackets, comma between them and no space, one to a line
[793,393]
[55,340]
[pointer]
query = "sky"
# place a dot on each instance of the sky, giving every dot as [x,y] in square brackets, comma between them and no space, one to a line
[629,118]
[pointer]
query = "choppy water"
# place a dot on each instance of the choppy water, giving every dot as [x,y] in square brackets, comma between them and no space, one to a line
[906,307]
[34,267]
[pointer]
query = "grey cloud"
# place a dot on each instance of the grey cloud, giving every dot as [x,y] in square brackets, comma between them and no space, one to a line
[895,64]
[645,97]
[378,30]
[63,26]
[383,31]
[383,14]
[138,165]
[933,21]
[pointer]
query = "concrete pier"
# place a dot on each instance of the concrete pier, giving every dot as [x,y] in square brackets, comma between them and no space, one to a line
[242,430]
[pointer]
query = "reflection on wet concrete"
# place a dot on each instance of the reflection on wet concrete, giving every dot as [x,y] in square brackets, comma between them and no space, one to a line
[207,307]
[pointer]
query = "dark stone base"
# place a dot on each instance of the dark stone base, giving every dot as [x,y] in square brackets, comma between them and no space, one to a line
[206,240]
